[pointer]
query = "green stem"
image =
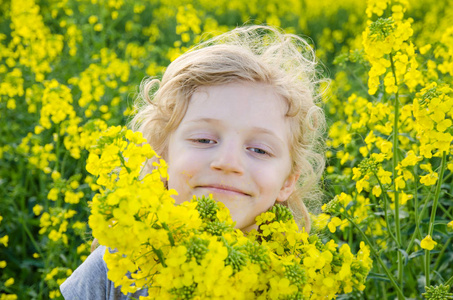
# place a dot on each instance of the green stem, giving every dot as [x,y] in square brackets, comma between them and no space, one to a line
[23,212]
[441,254]
[32,239]
[170,235]
[449,281]
[416,208]
[160,256]
[417,223]
[123,162]
[394,173]
[414,235]
[27,230]
[427,267]
[63,162]
[385,209]
[57,164]
[437,194]
[433,214]
[447,213]
[57,150]
[376,254]
[384,290]
[448,176]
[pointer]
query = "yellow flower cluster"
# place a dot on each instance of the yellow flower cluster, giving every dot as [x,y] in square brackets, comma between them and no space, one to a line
[357,209]
[393,58]
[56,105]
[192,250]
[107,73]
[55,224]
[4,238]
[433,112]
[29,29]
[54,278]
[188,22]
[385,42]
[394,139]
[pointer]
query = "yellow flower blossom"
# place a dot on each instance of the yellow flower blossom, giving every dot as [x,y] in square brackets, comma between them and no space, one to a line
[377,191]
[92,19]
[411,159]
[384,176]
[4,240]
[429,179]
[400,183]
[363,184]
[9,282]
[427,243]
[334,223]
[37,209]
[450,225]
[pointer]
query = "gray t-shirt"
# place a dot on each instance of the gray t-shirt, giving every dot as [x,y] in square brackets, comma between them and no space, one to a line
[89,281]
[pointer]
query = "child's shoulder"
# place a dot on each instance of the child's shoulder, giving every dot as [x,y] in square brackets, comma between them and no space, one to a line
[89,281]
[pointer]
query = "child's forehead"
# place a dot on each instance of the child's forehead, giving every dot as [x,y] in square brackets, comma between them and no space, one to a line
[246,104]
[251,93]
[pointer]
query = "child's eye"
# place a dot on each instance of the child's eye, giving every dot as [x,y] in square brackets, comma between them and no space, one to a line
[258,151]
[204,141]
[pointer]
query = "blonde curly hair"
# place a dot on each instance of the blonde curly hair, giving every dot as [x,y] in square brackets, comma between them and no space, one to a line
[259,54]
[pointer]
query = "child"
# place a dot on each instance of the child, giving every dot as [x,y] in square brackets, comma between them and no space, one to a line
[234,117]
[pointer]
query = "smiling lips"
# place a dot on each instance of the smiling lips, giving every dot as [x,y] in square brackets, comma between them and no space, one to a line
[223,189]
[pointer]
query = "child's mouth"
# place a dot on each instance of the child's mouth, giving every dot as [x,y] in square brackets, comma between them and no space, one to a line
[223,189]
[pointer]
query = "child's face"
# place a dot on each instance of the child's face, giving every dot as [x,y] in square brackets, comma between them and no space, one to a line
[233,143]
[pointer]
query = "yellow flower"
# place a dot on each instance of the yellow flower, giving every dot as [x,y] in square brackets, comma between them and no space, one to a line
[98,27]
[92,19]
[362,184]
[9,282]
[320,221]
[54,294]
[411,159]
[377,191]
[384,176]
[53,194]
[56,175]
[425,49]
[443,125]
[344,199]
[428,243]
[429,179]
[400,183]
[4,240]
[334,223]
[357,173]
[450,225]
[37,209]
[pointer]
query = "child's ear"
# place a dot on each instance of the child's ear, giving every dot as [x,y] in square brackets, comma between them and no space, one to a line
[288,187]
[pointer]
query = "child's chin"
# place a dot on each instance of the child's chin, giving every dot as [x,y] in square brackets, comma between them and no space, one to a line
[245,226]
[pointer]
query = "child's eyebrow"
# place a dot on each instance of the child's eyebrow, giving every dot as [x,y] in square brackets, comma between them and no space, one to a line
[204,120]
[266,131]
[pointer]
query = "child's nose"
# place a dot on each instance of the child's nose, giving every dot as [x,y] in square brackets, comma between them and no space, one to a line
[228,158]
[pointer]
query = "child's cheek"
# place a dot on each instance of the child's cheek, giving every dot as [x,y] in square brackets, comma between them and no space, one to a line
[180,181]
